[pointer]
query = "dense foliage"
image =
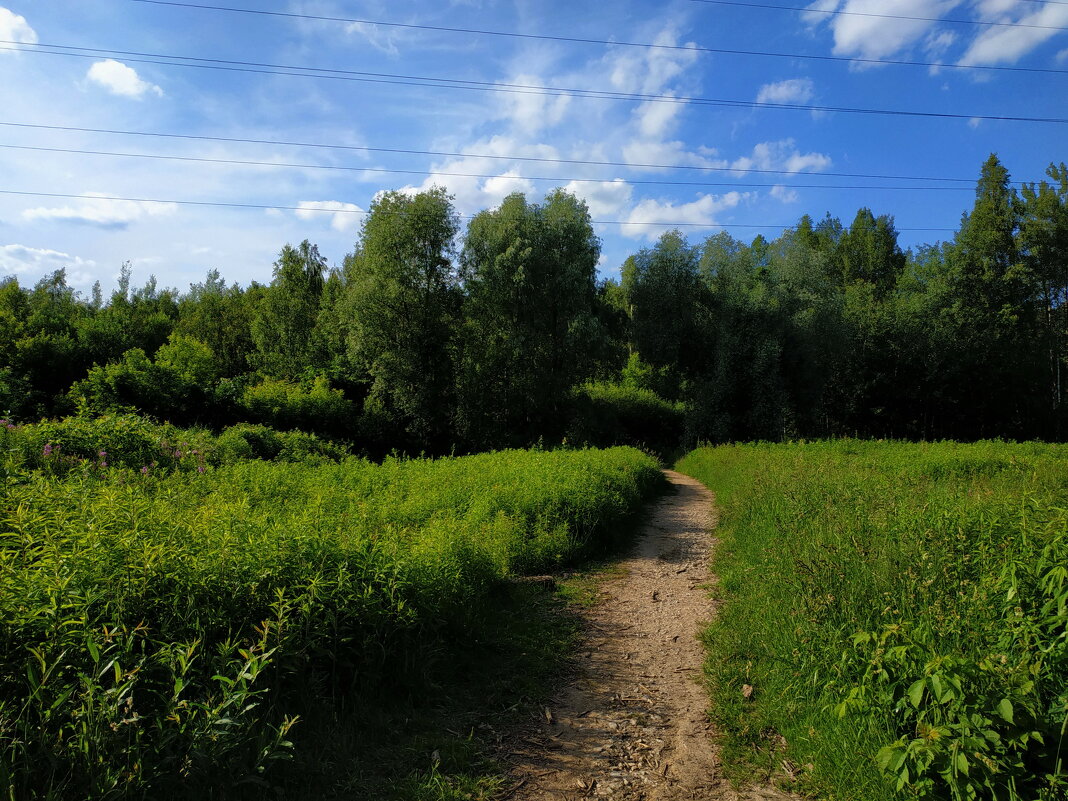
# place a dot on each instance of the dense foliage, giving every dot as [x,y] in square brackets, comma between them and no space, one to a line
[171,606]
[424,340]
[894,617]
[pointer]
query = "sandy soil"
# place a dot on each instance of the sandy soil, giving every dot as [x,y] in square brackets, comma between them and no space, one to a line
[631,724]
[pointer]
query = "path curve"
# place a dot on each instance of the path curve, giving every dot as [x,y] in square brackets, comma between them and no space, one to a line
[631,723]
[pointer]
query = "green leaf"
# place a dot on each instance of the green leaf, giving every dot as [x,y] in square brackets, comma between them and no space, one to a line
[961,764]
[916,693]
[1005,710]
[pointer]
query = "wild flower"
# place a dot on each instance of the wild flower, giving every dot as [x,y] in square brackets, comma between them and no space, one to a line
[47,450]
[144,470]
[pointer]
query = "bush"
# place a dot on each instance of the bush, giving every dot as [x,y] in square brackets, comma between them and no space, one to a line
[617,414]
[250,441]
[314,408]
[136,385]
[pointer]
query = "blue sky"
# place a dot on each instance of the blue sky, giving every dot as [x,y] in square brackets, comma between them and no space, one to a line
[712,147]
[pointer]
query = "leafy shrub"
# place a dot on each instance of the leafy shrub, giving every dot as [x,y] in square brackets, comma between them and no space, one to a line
[314,407]
[249,441]
[161,634]
[115,440]
[137,385]
[618,414]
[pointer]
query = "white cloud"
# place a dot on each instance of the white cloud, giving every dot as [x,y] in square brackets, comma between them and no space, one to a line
[531,111]
[605,199]
[100,212]
[501,186]
[1007,45]
[673,154]
[22,259]
[14,28]
[794,90]
[119,79]
[876,37]
[1062,56]
[650,218]
[346,216]
[784,194]
[781,155]
[650,71]
[656,118]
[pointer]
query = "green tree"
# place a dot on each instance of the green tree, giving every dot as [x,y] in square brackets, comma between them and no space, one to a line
[283,324]
[404,299]
[529,274]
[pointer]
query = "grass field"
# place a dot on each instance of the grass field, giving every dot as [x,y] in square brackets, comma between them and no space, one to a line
[210,630]
[893,619]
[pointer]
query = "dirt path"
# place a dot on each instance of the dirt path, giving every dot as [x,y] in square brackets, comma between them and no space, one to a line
[631,725]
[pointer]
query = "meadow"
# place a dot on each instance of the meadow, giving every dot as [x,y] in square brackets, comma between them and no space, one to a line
[893,618]
[175,612]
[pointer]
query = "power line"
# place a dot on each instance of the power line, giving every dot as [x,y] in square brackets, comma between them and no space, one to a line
[431,173]
[219,204]
[450,154]
[581,40]
[488,86]
[951,20]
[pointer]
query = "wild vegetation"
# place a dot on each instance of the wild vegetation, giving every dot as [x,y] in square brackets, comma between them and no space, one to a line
[894,617]
[172,611]
[431,340]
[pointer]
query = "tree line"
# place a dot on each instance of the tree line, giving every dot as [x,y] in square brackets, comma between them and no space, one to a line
[424,340]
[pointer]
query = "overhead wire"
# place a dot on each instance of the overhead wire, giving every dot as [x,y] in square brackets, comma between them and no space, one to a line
[584,40]
[844,13]
[489,86]
[448,174]
[358,211]
[475,155]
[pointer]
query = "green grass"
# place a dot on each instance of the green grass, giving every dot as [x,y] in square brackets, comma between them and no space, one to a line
[893,617]
[226,633]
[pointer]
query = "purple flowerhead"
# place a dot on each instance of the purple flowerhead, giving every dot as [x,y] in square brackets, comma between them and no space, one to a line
[144,470]
[103,454]
[47,450]
[200,469]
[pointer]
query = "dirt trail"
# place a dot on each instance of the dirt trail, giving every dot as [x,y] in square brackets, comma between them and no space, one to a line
[631,725]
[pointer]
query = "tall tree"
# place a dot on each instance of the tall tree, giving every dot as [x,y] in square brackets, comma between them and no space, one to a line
[668,303]
[284,322]
[405,299]
[529,273]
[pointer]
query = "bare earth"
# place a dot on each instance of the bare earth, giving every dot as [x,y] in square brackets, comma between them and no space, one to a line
[632,725]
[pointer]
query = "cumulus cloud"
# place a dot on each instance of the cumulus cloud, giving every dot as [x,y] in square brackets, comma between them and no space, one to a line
[794,90]
[656,118]
[605,199]
[100,212]
[650,218]
[345,217]
[14,28]
[532,112]
[120,79]
[878,37]
[781,155]
[672,154]
[1007,45]
[650,71]
[784,194]
[22,259]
